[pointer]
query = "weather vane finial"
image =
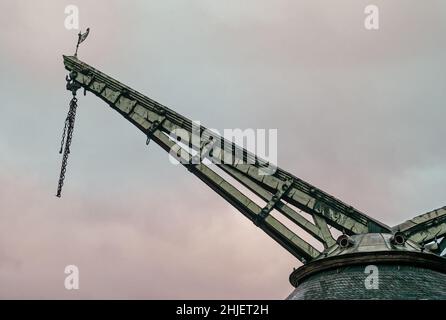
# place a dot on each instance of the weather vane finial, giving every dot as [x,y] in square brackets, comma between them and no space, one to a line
[81,38]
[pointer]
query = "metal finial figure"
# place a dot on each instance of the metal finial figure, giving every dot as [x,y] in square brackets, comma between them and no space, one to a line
[81,38]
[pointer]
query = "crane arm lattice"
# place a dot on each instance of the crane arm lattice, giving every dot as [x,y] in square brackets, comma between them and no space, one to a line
[425,228]
[282,192]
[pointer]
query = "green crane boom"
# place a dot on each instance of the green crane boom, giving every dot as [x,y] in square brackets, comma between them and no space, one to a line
[282,192]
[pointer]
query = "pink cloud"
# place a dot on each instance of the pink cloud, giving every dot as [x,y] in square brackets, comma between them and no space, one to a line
[149,247]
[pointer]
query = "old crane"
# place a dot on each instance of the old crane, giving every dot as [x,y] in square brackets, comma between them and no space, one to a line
[408,256]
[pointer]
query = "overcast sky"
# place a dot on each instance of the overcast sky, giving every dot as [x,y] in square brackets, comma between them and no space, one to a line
[359,113]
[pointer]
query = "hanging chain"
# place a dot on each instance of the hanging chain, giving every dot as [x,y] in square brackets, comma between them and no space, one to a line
[63,135]
[67,134]
[66,143]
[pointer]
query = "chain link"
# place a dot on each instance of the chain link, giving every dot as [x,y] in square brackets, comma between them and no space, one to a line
[68,134]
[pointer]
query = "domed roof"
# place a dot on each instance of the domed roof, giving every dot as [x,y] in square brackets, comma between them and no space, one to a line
[370,249]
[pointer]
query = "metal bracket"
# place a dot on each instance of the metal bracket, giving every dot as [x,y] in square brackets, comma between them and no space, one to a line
[154,126]
[272,203]
[206,147]
[72,85]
